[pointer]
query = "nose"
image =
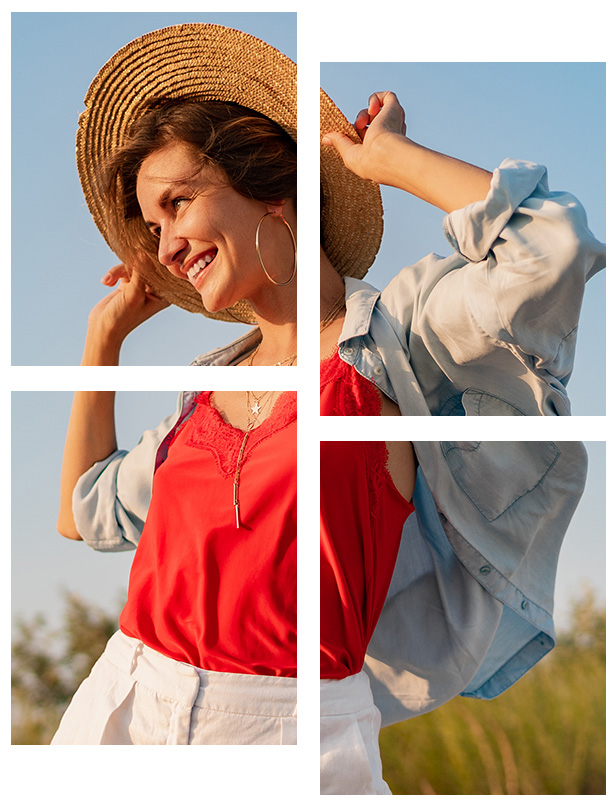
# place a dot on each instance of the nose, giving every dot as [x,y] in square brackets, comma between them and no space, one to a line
[171,248]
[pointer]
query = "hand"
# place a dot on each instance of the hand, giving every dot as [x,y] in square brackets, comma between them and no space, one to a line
[119,313]
[387,156]
[384,114]
[377,125]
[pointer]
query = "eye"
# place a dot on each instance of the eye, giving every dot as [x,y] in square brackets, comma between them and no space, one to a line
[179,202]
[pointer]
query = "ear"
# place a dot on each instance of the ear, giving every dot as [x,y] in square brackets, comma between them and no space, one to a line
[275,208]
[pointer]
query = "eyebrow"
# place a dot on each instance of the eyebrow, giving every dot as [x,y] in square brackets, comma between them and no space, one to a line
[168,194]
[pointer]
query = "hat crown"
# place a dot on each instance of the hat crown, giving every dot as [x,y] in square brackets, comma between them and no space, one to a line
[192,61]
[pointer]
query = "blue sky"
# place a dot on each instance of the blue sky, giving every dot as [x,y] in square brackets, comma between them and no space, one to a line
[552,113]
[56,277]
[43,563]
[539,111]
[549,113]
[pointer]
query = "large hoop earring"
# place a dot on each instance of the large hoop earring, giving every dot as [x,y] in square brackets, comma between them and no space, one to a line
[258,248]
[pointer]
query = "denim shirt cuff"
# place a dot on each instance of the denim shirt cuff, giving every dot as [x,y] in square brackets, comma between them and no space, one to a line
[472,230]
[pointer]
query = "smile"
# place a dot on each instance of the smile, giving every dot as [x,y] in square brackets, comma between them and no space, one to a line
[199,265]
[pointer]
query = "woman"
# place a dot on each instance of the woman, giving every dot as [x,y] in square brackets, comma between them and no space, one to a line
[206,651]
[438,562]
[178,124]
[438,559]
[489,330]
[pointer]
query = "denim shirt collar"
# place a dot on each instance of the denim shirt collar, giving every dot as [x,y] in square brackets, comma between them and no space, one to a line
[361,298]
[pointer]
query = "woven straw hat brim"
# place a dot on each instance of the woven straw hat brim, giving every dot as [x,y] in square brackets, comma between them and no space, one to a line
[191,61]
[352,214]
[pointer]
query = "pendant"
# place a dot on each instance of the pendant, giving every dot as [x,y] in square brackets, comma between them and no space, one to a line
[255,409]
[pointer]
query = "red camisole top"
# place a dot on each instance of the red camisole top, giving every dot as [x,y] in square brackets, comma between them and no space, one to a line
[201,590]
[362,516]
[346,393]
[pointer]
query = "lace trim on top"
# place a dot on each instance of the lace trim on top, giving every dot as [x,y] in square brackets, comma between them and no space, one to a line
[208,430]
[377,456]
[345,392]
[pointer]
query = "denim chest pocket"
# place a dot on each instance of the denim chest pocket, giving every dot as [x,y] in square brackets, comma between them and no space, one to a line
[496,475]
[483,404]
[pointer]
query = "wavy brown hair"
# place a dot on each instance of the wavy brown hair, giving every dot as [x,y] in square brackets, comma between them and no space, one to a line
[258,158]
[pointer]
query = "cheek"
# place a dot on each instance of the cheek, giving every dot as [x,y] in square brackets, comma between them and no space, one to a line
[241,239]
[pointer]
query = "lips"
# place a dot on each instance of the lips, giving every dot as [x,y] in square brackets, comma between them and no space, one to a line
[197,267]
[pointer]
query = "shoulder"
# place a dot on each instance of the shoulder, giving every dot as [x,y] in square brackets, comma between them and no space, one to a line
[223,356]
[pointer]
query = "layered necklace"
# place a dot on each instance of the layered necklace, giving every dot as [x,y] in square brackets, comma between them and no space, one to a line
[333,312]
[289,359]
[254,410]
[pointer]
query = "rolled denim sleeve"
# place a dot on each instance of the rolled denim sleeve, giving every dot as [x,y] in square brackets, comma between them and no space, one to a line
[111,499]
[530,252]
[102,520]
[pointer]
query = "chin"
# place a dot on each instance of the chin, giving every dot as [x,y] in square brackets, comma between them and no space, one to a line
[215,305]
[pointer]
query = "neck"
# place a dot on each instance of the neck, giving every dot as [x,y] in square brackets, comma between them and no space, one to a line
[276,316]
[278,326]
[279,343]
[332,285]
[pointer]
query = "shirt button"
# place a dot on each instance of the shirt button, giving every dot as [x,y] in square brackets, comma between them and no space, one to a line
[485,569]
[378,370]
[524,604]
[348,351]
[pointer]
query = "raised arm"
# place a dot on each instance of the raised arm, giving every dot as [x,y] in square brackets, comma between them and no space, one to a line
[117,315]
[89,439]
[91,430]
[385,155]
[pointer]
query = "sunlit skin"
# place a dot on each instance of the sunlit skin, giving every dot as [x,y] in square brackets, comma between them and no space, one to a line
[384,154]
[195,213]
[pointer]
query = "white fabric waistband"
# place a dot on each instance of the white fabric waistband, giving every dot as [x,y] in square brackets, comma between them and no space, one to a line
[347,696]
[193,687]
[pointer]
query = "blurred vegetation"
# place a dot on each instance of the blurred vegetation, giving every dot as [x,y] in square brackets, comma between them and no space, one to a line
[48,665]
[544,736]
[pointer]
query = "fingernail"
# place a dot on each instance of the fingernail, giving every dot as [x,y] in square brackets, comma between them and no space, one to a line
[326,141]
[107,277]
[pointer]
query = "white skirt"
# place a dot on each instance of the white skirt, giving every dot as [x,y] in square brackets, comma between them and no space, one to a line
[350,724]
[135,695]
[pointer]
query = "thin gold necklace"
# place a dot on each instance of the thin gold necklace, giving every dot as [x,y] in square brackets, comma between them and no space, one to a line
[250,426]
[277,364]
[333,312]
[256,407]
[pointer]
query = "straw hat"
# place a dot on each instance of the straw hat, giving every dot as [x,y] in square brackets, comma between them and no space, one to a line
[196,61]
[352,211]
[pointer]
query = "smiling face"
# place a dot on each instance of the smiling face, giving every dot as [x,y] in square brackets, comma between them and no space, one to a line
[206,229]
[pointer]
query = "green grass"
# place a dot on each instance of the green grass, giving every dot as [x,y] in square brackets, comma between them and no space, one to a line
[544,736]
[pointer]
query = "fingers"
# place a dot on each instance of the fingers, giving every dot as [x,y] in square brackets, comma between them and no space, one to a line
[343,144]
[119,272]
[386,102]
[381,102]
[125,274]
[133,284]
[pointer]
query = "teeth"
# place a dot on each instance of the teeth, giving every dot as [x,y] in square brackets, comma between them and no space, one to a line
[199,266]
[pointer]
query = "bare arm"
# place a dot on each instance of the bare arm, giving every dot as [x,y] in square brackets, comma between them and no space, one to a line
[91,430]
[385,155]
[90,438]
[117,315]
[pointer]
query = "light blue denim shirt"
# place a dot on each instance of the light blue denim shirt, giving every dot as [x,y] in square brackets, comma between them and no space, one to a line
[231,354]
[490,330]
[470,605]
